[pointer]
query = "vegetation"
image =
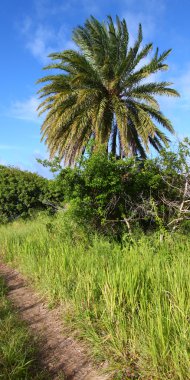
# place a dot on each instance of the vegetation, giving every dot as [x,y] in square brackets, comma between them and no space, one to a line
[105,194]
[134,304]
[20,193]
[18,354]
[100,94]
[117,196]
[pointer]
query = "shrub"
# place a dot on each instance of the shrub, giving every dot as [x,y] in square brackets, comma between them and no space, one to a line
[21,193]
[114,195]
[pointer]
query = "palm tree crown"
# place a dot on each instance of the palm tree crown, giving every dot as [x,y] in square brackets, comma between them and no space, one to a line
[101,92]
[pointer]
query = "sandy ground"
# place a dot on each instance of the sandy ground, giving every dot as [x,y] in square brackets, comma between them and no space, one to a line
[58,354]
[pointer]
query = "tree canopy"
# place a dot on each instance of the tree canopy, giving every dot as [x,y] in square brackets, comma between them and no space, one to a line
[102,92]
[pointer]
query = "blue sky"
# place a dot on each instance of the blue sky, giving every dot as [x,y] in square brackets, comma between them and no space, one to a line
[30,30]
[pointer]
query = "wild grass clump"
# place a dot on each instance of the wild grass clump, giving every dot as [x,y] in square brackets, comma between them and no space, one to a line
[17,349]
[131,301]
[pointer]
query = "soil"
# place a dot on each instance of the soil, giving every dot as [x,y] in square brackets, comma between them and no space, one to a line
[60,355]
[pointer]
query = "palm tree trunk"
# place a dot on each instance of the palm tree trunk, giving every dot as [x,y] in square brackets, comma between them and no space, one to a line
[119,145]
[114,139]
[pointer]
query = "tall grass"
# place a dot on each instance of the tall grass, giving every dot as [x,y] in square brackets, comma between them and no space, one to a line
[131,302]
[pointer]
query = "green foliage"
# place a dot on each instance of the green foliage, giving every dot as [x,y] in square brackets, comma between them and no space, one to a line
[99,94]
[130,302]
[113,195]
[21,193]
[54,165]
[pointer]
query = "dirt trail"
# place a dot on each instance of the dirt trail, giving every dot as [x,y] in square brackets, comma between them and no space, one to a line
[58,354]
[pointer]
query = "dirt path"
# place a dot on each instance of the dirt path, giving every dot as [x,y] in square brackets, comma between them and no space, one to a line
[58,354]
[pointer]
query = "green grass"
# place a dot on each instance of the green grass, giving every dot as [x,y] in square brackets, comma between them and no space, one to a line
[18,354]
[132,303]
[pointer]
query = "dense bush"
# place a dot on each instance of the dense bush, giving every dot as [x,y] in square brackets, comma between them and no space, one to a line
[21,192]
[113,195]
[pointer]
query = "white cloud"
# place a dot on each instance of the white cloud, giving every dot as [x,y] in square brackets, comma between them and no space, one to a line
[39,43]
[42,39]
[25,110]
[45,32]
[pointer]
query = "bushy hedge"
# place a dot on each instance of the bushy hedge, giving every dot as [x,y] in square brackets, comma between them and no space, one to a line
[21,192]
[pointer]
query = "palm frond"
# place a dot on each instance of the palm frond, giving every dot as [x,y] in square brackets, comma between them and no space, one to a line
[99,89]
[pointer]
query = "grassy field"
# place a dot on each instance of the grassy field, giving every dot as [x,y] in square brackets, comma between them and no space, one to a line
[132,303]
[18,354]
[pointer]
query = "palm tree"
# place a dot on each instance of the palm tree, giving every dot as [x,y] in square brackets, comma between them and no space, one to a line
[101,92]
